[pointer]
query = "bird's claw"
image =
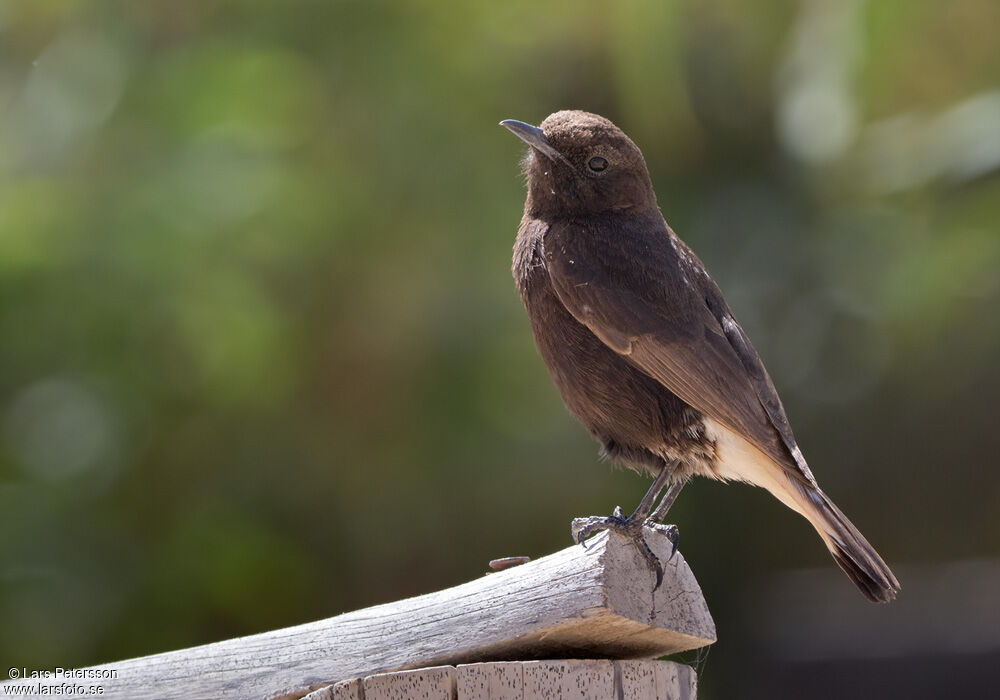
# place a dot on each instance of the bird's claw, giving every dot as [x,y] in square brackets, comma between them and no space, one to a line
[582,528]
[671,532]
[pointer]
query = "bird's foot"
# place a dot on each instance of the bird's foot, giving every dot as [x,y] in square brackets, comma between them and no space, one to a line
[582,528]
[631,529]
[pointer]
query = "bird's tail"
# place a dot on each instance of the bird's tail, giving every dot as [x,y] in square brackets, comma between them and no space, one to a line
[849,548]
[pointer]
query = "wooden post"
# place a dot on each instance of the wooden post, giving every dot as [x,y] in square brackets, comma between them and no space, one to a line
[641,679]
[596,603]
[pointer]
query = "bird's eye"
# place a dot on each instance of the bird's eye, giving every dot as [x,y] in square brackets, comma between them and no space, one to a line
[597,164]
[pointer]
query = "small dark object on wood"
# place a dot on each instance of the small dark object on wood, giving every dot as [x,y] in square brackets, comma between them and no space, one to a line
[508,562]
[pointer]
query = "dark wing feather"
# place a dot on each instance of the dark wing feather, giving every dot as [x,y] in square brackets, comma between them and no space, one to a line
[649,298]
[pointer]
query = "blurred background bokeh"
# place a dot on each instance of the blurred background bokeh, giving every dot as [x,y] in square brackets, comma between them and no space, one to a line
[262,361]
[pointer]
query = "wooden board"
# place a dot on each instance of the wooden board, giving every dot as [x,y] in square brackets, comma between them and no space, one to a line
[576,603]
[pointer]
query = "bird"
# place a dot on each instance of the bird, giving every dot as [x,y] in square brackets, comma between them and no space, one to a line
[644,349]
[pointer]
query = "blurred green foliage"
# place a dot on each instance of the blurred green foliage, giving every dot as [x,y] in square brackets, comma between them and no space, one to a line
[261,359]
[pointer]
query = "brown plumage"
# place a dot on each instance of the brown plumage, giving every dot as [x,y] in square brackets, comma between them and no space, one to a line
[640,341]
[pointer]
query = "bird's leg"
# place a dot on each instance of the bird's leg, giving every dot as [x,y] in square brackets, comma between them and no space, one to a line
[631,527]
[667,501]
[656,519]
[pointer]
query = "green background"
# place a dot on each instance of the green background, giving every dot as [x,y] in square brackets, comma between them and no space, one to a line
[261,357]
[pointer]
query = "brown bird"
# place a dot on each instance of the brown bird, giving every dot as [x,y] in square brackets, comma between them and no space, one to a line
[643,347]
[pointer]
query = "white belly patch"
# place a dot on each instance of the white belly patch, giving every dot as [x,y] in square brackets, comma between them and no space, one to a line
[738,460]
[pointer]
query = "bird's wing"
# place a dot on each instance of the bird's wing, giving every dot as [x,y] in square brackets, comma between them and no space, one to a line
[650,299]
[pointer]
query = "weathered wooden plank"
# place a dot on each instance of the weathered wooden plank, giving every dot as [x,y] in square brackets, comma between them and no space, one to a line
[437,683]
[569,680]
[638,681]
[499,680]
[677,680]
[344,690]
[656,680]
[330,692]
[597,602]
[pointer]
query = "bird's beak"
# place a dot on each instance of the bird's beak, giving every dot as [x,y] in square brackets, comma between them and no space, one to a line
[534,137]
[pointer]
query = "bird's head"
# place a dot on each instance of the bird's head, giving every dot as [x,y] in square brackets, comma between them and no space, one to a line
[581,163]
